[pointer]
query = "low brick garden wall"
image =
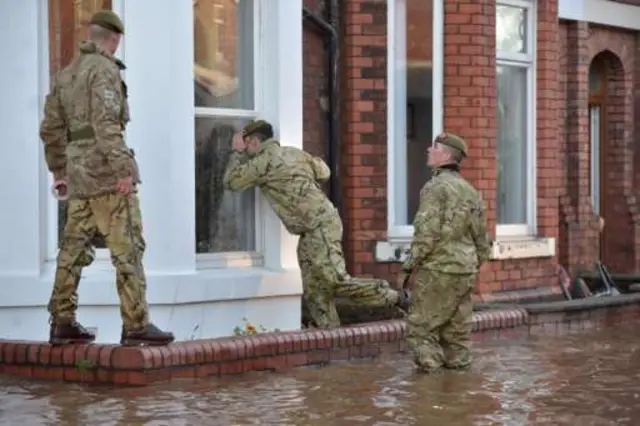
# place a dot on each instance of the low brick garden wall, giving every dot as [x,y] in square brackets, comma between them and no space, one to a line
[126,366]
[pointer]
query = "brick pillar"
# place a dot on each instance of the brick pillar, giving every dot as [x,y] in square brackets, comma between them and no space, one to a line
[470,97]
[364,163]
[636,129]
[635,144]
[580,224]
[549,166]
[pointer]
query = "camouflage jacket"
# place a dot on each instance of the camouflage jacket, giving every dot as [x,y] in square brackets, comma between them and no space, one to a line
[450,230]
[289,179]
[85,115]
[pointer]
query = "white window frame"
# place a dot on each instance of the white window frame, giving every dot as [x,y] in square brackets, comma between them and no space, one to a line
[204,261]
[397,197]
[595,119]
[242,258]
[528,62]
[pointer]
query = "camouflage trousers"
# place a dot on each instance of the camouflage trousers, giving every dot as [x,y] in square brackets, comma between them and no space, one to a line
[325,277]
[108,215]
[439,320]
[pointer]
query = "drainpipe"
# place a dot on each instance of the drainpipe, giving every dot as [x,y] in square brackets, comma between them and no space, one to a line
[329,28]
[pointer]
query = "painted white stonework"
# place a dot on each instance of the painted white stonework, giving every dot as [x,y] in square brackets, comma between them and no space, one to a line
[188,300]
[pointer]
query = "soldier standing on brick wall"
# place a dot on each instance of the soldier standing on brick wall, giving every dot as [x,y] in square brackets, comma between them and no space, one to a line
[449,245]
[289,179]
[85,115]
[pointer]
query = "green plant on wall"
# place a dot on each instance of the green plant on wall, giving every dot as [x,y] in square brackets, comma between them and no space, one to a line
[249,329]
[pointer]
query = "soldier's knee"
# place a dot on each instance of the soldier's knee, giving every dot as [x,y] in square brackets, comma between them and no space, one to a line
[87,257]
[455,334]
[124,267]
[75,253]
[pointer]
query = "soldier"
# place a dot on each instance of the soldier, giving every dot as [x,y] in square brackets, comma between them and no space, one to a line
[449,245]
[85,115]
[290,178]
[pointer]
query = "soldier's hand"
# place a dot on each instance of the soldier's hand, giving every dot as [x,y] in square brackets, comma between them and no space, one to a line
[238,142]
[125,186]
[60,189]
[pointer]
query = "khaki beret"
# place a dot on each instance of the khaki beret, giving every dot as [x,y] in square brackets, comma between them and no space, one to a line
[453,141]
[108,20]
[257,126]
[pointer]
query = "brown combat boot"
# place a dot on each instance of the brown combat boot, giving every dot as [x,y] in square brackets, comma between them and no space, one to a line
[69,333]
[146,336]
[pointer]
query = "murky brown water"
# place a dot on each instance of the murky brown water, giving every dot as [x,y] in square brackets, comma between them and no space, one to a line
[585,379]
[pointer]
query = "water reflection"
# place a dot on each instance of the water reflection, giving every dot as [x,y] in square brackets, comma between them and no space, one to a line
[588,379]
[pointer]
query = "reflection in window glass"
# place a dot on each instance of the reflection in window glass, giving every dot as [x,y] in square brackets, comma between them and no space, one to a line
[419,102]
[511,29]
[223,79]
[223,43]
[225,221]
[512,145]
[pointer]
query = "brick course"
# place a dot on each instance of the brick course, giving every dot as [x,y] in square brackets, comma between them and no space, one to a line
[196,359]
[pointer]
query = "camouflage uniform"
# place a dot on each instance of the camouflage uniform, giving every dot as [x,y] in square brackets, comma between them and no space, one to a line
[449,245]
[289,179]
[85,116]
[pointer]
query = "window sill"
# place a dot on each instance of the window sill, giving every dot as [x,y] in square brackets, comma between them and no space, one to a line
[505,248]
[163,288]
[502,249]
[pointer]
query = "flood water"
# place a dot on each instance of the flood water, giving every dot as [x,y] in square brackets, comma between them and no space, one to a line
[591,378]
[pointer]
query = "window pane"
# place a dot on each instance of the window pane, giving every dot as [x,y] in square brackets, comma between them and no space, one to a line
[595,79]
[225,221]
[223,43]
[512,145]
[67,25]
[419,99]
[594,136]
[511,29]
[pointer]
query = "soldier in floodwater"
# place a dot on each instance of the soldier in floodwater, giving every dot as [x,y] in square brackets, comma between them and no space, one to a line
[449,245]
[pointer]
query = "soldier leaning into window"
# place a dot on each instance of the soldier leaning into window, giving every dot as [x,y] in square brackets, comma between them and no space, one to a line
[290,178]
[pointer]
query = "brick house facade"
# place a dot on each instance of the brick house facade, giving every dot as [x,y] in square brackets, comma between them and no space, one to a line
[563,115]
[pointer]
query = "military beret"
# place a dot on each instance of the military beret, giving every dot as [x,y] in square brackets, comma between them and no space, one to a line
[109,20]
[453,141]
[257,126]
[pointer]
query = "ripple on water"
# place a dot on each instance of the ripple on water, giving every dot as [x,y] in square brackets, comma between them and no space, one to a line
[583,379]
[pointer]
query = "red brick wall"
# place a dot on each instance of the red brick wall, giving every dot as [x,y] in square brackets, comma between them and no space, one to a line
[615,50]
[469,93]
[365,135]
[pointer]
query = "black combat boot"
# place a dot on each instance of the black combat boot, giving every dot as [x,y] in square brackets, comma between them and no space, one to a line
[146,336]
[69,333]
[404,300]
